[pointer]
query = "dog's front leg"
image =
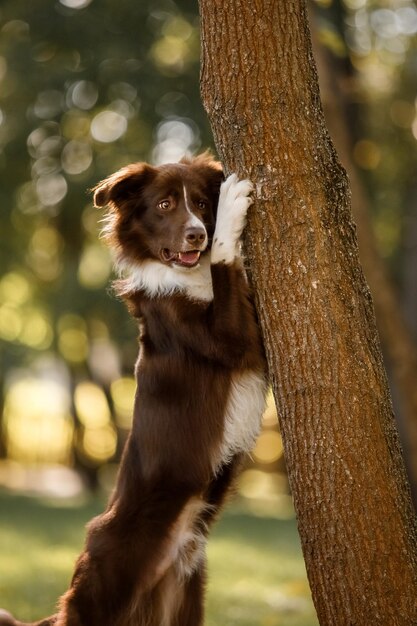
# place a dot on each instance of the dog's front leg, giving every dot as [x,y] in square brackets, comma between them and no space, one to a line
[233,205]
[232,319]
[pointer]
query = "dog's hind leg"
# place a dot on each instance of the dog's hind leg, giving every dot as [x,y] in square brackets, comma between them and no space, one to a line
[181,592]
[193,573]
[128,551]
[176,601]
[191,611]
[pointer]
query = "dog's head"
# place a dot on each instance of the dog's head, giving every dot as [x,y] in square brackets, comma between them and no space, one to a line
[165,213]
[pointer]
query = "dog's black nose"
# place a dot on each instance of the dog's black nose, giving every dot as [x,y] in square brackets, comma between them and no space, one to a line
[195,234]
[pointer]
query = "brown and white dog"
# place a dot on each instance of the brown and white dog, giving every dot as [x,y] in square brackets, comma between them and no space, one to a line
[175,231]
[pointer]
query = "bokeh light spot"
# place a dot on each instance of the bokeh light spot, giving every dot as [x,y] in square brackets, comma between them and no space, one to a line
[72,338]
[95,266]
[108,126]
[51,189]
[268,447]
[36,332]
[174,138]
[83,94]
[11,323]
[77,157]
[270,417]
[37,423]
[91,404]
[123,394]
[73,345]
[75,4]
[44,253]
[100,443]
[48,104]
[15,288]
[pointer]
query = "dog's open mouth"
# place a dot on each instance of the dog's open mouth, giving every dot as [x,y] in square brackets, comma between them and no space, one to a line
[185,259]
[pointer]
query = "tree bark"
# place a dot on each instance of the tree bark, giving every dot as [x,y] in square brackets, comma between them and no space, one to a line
[355,518]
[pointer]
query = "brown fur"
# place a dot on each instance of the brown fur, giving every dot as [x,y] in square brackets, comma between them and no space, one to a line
[134,570]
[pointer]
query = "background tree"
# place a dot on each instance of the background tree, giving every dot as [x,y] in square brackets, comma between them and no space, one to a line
[337,79]
[342,452]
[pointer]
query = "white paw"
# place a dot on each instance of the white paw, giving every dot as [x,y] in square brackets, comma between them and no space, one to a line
[234,201]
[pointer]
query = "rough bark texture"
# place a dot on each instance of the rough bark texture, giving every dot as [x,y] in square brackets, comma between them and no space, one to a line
[355,517]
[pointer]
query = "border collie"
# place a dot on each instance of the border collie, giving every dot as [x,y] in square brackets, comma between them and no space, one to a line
[175,232]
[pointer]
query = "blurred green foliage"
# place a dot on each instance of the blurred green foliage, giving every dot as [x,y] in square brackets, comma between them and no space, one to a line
[376,38]
[86,87]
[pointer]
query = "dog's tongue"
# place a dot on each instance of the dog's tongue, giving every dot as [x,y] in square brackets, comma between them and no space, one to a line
[189,258]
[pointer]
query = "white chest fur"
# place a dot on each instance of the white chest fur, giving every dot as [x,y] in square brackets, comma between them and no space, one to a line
[243,415]
[157,279]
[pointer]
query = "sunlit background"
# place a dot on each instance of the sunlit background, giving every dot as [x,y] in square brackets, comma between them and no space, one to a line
[87,86]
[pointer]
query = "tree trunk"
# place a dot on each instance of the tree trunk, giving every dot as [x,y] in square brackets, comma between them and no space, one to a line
[344,463]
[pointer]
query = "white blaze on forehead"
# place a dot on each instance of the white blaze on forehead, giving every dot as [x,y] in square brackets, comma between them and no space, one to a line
[193,220]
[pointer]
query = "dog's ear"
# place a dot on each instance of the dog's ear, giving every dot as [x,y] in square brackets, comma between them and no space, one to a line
[124,186]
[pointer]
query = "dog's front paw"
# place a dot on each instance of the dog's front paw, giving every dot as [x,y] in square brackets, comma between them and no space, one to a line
[234,201]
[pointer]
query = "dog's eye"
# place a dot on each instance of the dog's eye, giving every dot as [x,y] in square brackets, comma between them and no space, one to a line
[164,205]
[202,205]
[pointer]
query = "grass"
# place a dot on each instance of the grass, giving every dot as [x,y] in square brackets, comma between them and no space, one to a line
[256,571]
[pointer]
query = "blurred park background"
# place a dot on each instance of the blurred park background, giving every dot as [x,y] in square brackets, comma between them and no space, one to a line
[87,86]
